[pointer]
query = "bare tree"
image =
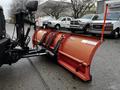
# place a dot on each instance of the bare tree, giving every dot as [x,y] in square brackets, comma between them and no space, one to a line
[17,4]
[80,7]
[54,9]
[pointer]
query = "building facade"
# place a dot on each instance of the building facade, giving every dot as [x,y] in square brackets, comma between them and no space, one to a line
[114,5]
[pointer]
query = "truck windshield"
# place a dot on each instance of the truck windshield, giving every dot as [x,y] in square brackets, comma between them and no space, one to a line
[89,16]
[61,18]
[110,16]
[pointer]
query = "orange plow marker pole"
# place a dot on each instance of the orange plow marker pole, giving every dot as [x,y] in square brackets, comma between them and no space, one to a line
[103,28]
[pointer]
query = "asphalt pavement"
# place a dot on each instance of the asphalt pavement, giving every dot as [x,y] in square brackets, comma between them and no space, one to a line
[41,73]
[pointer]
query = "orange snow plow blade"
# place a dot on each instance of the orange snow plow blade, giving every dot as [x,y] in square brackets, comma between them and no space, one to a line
[74,52]
[39,36]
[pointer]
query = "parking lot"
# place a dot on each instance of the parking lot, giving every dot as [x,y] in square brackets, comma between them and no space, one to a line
[41,73]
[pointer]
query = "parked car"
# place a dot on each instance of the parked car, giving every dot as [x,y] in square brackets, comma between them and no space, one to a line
[82,23]
[43,21]
[112,26]
[46,22]
[62,22]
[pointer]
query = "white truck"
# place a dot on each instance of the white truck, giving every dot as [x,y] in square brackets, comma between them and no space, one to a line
[112,26]
[82,23]
[62,22]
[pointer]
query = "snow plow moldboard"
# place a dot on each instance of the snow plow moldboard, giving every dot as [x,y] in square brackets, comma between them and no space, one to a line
[74,52]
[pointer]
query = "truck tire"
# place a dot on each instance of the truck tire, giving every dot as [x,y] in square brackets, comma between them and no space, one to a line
[72,30]
[116,33]
[57,27]
[86,29]
[93,34]
[44,26]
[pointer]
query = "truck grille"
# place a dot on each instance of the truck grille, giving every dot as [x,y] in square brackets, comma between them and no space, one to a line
[97,26]
[74,23]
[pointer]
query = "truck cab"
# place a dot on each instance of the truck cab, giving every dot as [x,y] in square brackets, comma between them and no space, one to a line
[2,24]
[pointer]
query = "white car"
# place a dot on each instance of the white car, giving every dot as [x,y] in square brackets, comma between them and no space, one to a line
[62,22]
[42,21]
[112,26]
[82,23]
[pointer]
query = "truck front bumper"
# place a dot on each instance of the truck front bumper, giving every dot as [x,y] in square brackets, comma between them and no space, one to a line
[77,27]
[99,32]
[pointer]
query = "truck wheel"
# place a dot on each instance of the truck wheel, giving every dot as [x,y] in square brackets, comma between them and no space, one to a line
[44,26]
[86,30]
[93,34]
[116,34]
[72,30]
[57,27]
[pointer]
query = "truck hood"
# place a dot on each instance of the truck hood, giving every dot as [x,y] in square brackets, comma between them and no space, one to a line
[82,20]
[107,21]
[55,21]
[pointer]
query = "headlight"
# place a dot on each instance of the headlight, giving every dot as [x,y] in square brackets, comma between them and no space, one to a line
[79,21]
